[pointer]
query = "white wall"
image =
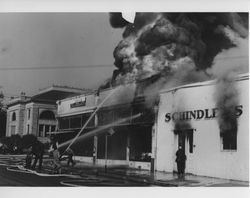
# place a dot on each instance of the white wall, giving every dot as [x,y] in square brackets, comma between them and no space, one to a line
[16,123]
[207,158]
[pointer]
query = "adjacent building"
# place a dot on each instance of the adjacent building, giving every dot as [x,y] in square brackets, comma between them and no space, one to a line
[129,141]
[36,114]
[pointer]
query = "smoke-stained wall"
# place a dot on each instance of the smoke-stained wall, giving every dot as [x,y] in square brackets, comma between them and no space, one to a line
[200,112]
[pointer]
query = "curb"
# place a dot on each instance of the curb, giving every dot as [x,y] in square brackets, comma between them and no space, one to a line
[133,179]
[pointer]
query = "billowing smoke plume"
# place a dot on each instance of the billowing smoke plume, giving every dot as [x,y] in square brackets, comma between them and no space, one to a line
[226,96]
[156,41]
[179,48]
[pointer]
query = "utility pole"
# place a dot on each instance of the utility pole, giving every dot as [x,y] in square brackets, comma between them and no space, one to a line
[106,153]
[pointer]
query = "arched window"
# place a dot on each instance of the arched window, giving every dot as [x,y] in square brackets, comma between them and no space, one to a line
[47,115]
[13,118]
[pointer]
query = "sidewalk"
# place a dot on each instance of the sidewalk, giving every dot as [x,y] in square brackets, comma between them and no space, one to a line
[156,179]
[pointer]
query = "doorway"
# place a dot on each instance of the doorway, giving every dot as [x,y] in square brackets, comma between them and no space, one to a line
[185,139]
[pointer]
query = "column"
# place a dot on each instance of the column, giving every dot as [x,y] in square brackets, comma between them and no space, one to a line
[43,130]
[95,149]
[128,147]
[95,145]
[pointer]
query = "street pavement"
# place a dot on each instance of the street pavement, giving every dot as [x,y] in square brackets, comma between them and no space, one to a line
[12,173]
[162,178]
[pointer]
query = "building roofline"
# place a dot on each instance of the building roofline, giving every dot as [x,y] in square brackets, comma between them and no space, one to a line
[239,77]
[78,96]
[18,100]
[60,88]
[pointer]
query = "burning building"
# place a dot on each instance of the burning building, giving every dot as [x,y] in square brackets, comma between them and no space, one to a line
[170,88]
[129,126]
[214,135]
[192,115]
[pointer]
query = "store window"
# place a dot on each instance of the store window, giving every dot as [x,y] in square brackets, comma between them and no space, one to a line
[64,123]
[105,117]
[85,117]
[75,122]
[229,140]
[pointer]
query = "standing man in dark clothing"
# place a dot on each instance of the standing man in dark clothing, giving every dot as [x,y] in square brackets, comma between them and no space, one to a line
[38,151]
[181,161]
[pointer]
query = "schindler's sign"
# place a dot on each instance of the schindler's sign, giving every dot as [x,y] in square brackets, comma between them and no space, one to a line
[78,103]
[199,114]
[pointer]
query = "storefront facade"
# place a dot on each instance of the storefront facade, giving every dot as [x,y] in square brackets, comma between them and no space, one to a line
[128,144]
[188,116]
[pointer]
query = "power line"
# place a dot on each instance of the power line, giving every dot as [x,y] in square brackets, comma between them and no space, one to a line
[54,67]
[86,66]
[233,57]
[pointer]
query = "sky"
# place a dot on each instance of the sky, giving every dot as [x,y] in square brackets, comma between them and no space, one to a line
[40,40]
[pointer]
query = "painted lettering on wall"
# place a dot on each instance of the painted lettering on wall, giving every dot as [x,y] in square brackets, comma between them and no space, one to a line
[78,103]
[199,114]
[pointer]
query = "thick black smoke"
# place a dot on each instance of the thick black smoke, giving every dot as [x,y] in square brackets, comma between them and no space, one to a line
[163,43]
[117,21]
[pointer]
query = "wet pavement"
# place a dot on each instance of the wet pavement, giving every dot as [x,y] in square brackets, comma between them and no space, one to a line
[158,178]
[85,174]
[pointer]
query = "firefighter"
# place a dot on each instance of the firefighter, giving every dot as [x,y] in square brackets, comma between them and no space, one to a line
[38,151]
[28,159]
[69,152]
[56,161]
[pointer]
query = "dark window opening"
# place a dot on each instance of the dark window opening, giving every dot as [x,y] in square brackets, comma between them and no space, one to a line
[28,113]
[47,130]
[64,123]
[53,128]
[140,143]
[85,118]
[41,130]
[229,140]
[116,144]
[83,148]
[13,116]
[105,117]
[75,122]
[190,140]
[185,135]
[28,129]
[47,115]
[123,112]
[147,115]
